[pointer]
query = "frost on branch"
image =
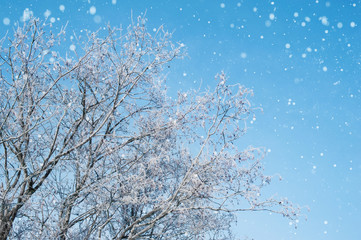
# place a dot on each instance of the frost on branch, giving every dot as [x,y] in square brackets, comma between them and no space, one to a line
[92,147]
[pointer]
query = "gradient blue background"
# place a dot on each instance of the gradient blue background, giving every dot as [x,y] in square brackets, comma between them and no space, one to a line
[305,74]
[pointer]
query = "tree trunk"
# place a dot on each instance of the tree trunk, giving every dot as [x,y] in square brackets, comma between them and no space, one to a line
[5,226]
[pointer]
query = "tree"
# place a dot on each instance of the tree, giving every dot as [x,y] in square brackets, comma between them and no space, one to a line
[93,148]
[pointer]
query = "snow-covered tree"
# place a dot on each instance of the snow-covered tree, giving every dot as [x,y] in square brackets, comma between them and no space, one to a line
[92,147]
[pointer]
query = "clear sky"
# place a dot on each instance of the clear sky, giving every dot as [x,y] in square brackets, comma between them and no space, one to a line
[303,61]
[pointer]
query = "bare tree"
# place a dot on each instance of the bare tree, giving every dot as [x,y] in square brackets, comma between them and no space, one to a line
[93,148]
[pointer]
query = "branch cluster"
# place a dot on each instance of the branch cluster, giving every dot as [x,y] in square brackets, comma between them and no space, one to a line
[91,146]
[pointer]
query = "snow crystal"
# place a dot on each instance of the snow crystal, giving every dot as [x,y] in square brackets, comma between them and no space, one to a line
[72,47]
[47,13]
[238,4]
[52,20]
[324,68]
[62,8]
[92,10]
[232,25]
[243,55]
[97,19]
[271,16]
[295,14]
[254,9]
[27,14]
[307,19]
[287,45]
[324,20]
[352,24]
[267,23]
[114,2]
[339,25]
[303,24]
[325,222]
[6,21]
[223,5]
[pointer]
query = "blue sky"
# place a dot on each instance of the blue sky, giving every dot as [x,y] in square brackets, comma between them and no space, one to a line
[303,61]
